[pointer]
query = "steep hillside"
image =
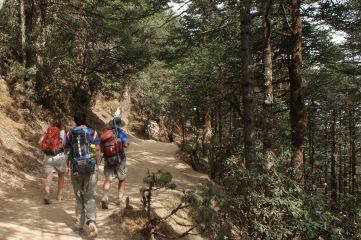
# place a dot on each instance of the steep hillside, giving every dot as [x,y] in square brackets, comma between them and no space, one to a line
[19,133]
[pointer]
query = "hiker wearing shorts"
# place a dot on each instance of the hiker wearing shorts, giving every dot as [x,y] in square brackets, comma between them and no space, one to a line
[84,159]
[118,170]
[52,144]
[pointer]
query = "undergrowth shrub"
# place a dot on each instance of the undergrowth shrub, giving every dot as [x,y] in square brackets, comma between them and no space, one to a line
[267,204]
[350,215]
[199,206]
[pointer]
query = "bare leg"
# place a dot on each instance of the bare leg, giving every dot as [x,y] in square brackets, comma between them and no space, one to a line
[61,177]
[121,189]
[48,179]
[121,186]
[106,186]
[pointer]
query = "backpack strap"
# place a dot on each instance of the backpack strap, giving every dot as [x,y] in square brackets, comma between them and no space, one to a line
[116,128]
[94,134]
[119,158]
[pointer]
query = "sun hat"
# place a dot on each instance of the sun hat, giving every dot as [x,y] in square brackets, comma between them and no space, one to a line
[115,122]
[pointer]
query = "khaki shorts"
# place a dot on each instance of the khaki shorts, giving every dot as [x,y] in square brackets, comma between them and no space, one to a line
[118,171]
[55,163]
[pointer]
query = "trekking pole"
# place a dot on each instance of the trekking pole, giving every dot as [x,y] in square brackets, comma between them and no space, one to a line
[68,182]
[116,114]
[116,138]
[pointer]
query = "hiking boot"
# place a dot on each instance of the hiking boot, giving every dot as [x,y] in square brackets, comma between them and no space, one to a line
[93,231]
[104,203]
[78,230]
[47,198]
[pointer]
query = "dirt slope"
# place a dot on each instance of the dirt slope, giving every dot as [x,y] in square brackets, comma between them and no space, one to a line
[23,214]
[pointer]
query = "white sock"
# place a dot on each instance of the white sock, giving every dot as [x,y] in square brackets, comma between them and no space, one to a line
[120,195]
[105,194]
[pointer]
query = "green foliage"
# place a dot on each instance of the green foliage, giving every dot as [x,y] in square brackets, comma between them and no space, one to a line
[90,47]
[152,86]
[160,179]
[268,204]
[202,204]
[350,216]
[165,179]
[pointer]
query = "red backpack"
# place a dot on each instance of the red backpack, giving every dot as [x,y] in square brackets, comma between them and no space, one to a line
[111,145]
[51,143]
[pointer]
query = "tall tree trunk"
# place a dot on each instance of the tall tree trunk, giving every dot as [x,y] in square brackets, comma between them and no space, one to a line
[247,86]
[333,159]
[212,163]
[81,95]
[230,131]
[214,121]
[41,40]
[29,30]
[340,175]
[220,130]
[26,14]
[345,160]
[184,125]
[23,35]
[40,48]
[297,85]
[326,159]
[311,147]
[208,126]
[352,150]
[268,78]
[162,132]
[343,152]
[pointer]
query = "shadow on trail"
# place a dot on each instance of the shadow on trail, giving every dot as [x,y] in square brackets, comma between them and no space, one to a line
[57,215]
[183,175]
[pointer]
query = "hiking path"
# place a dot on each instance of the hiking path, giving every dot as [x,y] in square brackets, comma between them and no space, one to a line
[24,216]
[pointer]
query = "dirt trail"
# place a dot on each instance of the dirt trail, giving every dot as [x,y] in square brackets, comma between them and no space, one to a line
[23,214]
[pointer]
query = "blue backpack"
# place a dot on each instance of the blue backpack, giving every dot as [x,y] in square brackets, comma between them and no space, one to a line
[82,161]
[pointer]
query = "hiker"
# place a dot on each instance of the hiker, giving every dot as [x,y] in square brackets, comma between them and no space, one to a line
[84,159]
[114,141]
[52,144]
[171,136]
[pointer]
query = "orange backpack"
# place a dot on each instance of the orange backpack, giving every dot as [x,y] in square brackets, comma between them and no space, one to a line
[51,144]
[111,145]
